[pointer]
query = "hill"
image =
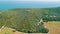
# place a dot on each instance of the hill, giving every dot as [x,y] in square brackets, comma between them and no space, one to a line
[26,19]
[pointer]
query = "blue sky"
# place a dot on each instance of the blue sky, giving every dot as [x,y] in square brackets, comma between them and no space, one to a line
[29,0]
[10,4]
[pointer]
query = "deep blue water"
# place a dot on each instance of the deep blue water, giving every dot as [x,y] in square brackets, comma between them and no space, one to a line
[4,5]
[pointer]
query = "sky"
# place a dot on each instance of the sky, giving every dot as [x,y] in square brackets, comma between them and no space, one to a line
[29,0]
[10,4]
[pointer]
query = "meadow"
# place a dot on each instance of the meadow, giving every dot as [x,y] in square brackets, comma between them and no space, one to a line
[53,26]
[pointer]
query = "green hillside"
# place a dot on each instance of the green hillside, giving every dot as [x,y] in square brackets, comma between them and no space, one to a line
[26,19]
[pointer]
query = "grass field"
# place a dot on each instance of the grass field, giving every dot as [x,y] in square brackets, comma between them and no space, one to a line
[53,26]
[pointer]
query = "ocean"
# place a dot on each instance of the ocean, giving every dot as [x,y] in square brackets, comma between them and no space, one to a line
[5,5]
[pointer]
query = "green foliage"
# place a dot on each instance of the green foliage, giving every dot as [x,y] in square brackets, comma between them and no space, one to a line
[41,29]
[26,19]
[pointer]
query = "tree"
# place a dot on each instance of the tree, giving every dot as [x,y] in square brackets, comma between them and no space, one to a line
[24,20]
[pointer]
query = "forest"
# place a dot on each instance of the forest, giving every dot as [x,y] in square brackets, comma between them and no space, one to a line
[26,19]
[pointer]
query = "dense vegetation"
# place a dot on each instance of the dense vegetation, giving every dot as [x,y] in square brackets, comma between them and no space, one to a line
[26,19]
